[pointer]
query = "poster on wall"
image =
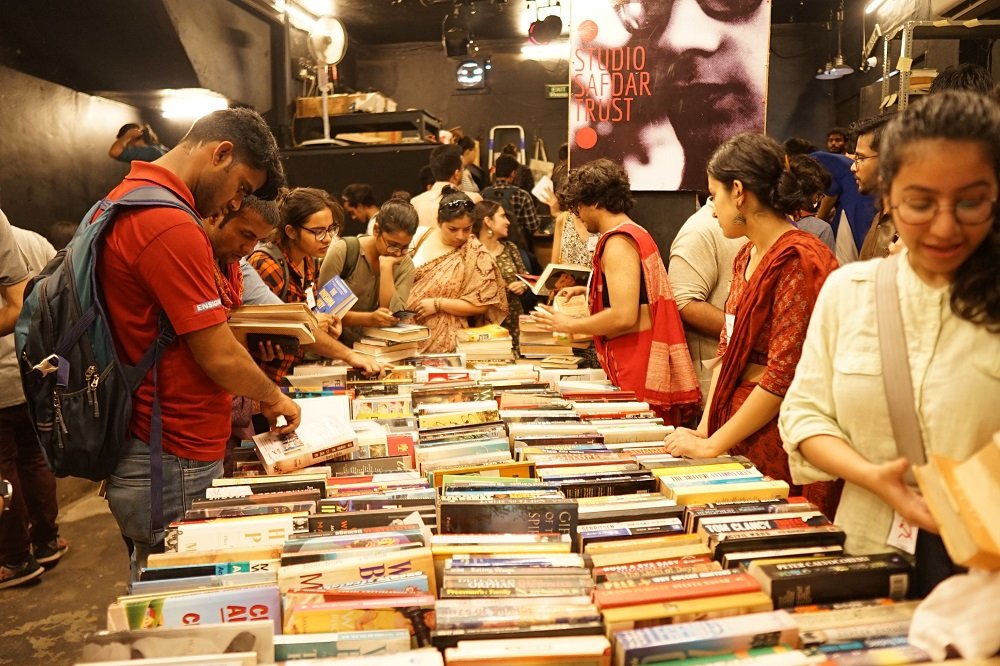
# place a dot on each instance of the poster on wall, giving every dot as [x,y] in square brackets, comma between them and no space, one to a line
[657,85]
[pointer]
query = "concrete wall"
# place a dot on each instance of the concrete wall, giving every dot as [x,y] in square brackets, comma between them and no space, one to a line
[54,161]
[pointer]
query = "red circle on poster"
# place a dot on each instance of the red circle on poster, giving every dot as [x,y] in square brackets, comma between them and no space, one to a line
[586,138]
[587,30]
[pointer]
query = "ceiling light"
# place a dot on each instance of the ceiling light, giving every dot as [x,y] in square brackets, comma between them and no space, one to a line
[826,73]
[840,68]
[470,74]
[545,30]
[191,103]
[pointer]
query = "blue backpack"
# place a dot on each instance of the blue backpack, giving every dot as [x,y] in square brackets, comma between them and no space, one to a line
[78,391]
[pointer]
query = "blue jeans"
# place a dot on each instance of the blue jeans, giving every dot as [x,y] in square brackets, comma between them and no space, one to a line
[129,499]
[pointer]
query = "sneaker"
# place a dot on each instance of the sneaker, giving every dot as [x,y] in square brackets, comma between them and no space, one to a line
[50,552]
[18,574]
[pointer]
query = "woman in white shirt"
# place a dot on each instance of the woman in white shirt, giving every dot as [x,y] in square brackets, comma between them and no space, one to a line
[940,175]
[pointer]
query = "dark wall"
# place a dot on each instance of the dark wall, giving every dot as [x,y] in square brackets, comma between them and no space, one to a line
[55,141]
[798,104]
[420,76]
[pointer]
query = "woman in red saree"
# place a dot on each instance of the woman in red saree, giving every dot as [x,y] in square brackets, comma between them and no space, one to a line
[776,279]
[635,323]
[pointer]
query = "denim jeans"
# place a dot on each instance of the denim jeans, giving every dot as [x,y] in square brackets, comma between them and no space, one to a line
[128,496]
[31,517]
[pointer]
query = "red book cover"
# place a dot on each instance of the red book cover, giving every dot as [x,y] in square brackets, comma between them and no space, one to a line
[704,585]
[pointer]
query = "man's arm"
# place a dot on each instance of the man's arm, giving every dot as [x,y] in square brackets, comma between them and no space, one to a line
[703,317]
[13,299]
[123,142]
[228,364]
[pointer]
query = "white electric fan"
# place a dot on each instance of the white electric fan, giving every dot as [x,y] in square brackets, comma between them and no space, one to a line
[327,44]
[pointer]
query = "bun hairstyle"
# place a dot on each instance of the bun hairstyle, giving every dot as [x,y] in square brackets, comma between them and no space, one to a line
[484,209]
[785,185]
[398,215]
[454,204]
[298,204]
[956,116]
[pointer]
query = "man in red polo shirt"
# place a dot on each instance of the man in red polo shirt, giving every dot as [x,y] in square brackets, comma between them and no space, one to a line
[159,260]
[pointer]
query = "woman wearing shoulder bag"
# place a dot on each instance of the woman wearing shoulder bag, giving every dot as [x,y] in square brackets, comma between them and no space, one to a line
[940,175]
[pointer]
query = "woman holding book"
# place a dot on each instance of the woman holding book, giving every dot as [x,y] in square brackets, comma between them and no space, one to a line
[382,274]
[940,172]
[633,318]
[457,278]
[776,278]
[309,220]
[490,225]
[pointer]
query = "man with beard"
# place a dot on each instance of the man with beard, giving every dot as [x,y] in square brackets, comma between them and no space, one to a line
[160,264]
[706,62]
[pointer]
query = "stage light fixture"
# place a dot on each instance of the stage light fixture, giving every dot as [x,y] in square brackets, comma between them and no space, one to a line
[470,74]
[545,30]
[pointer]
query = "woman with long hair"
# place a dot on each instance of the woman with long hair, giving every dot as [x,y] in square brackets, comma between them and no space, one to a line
[939,166]
[776,278]
[456,279]
[490,225]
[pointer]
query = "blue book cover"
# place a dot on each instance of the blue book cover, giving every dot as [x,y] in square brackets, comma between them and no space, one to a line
[335,297]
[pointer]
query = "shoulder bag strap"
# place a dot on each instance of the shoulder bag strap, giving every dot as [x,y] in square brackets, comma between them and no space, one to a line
[350,257]
[896,366]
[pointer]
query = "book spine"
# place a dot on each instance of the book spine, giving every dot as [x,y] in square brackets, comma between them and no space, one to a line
[737,583]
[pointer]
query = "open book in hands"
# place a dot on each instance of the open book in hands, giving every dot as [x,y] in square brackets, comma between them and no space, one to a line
[556,277]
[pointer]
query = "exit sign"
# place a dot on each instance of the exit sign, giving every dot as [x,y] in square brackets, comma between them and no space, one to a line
[557,90]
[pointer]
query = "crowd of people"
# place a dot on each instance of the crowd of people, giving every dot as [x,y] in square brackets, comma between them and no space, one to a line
[762,339]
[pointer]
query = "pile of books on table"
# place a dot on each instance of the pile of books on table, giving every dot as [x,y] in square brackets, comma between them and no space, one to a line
[530,517]
[391,344]
[491,344]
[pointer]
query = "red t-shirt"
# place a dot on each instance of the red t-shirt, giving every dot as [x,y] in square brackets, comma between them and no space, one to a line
[159,259]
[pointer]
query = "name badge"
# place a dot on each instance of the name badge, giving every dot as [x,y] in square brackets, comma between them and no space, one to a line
[902,534]
[591,243]
[311,298]
[730,324]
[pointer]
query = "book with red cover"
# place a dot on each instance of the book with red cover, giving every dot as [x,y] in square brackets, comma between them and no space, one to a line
[646,591]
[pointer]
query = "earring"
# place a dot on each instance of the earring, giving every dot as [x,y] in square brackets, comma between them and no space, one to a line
[489,232]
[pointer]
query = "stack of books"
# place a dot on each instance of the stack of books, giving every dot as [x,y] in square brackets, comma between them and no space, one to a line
[490,344]
[284,319]
[391,344]
[540,347]
[324,433]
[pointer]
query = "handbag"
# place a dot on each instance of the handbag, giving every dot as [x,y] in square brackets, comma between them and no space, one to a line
[539,165]
[932,561]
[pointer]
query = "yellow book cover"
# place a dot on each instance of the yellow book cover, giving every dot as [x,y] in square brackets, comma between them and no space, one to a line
[648,543]
[516,470]
[483,333]
[695,469]
[729,492]
[624,618]
[611,559]
[312,576]
[457,419]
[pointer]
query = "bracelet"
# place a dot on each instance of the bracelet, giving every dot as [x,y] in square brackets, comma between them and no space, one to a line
[437,305]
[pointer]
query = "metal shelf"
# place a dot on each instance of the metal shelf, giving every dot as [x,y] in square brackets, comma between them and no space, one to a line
[911,30]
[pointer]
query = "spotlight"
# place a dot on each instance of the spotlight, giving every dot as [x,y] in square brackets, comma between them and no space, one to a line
[470,74]
[545,30]
[457,38]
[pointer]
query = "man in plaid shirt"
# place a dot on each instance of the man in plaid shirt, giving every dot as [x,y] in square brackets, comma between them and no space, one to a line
[518,204]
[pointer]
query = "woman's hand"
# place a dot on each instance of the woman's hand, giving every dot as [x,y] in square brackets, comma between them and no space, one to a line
[691,444]
[890,485]
[389,261]
[517,287]
[572,292]
[550,320]
[331,324]
[426,307]
[382,317]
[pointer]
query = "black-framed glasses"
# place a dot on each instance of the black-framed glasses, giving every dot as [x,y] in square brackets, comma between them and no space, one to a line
[859,158]
[922,211]
[394,248]
[642,16]
[457,204]
[322,234]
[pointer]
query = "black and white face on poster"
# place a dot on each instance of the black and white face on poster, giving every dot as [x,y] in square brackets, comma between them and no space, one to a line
[657,85]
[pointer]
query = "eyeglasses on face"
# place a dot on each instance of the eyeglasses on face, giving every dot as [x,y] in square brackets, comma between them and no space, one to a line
[322,234]
[921,211]
[394,248]
[859,158]
[457,204]
[642,16]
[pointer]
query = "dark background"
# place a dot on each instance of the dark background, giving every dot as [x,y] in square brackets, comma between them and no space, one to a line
[72,72]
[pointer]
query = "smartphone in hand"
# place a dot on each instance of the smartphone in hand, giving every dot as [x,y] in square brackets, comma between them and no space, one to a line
[404,315]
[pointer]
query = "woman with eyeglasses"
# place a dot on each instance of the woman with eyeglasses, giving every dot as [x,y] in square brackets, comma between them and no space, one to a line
[310,220]
[382,274]
[457,279]
[777,275]
[939,167]
[490,224]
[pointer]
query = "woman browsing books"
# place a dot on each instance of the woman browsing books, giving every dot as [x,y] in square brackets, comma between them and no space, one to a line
[940,173]
[382,274]
[310,220]
[776,278]
[490,224]
[456,279]
[636,327]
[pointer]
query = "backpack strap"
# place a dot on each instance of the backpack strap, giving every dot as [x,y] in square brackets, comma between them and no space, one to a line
[149,196]
[351,258]
[273,251]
